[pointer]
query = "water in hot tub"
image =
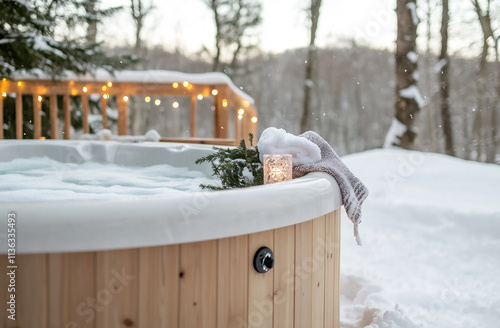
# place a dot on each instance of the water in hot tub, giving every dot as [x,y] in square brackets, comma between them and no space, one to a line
[45,179]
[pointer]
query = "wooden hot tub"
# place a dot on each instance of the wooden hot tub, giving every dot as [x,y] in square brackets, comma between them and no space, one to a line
[185,261]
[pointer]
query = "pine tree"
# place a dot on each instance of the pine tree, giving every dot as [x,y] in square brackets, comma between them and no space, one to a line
[27,41]
[28,45]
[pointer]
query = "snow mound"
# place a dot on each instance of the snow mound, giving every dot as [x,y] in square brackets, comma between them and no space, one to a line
[431,233]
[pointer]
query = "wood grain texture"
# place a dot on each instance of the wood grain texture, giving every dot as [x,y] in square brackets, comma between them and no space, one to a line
[116,300]
[159,286]
[332,270]
[318,274]
[122,123]
[31,291]
[304,266]
[198,286]
[67,117]
[284,271]
[71,285]
[260,286]
[232,285]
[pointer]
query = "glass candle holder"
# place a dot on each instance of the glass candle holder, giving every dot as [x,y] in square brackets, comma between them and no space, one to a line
[277,168]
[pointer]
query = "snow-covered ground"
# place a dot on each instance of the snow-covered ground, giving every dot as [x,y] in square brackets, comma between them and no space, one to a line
[431,243]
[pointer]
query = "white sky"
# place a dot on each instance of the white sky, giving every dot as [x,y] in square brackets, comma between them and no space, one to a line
[189,24]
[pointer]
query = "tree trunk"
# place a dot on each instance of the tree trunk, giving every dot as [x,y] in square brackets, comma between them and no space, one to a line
[216,60]
[428,90]
[91,21]
[408,99]
[496,104]
[305,124]
[445,83]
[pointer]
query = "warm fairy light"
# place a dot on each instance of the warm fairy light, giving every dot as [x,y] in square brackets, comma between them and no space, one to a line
[254,119]
[84,89]
[241,111]
[125,98]
[175,104]
[240,117]
[74,92]
[277,168]
[185,84]
[41,138]
[215,92]
[246,103]
[105,96]
[4,94]
[200,96]
[19,83]
[175,85]
[110,84]
[157,102]
[147,99]
[104,88]
[224,102]
[40,98]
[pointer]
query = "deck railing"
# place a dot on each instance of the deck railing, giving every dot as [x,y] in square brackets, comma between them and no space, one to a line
[124,85]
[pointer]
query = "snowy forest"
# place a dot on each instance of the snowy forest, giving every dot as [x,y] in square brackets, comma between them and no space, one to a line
[346,90]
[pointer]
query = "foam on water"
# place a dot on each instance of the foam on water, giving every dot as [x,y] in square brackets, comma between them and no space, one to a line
[44,179]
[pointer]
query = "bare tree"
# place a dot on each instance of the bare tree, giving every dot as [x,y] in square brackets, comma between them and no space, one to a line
[139,13]
[234,22]
[430,108]
[408,99]
[445,82]
[310,66]
[484,17]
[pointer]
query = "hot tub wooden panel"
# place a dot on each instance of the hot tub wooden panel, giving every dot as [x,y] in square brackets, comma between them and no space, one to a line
[200,284]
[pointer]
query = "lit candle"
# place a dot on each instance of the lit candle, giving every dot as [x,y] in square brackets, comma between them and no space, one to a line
[277,168]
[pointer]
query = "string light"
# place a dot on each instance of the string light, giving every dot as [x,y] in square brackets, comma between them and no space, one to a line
[241,111]
[110,84]
[246,103]
[105,96]
[240,117]
[157,102]
[215,92]
[175,104]
[224,102]
[147,99]
[104,88]
[200,96]
[175,85]
[125,98]
[185,84]
[19,83]
[4,94]
[254,119]
[40,98]
[84,89]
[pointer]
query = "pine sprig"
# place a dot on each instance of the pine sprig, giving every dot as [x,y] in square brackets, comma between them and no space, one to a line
[236,167]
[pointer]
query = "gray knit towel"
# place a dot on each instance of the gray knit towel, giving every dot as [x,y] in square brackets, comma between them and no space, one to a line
[352,190]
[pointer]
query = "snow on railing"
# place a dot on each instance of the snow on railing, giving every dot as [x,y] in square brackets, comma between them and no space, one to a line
[123,85]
